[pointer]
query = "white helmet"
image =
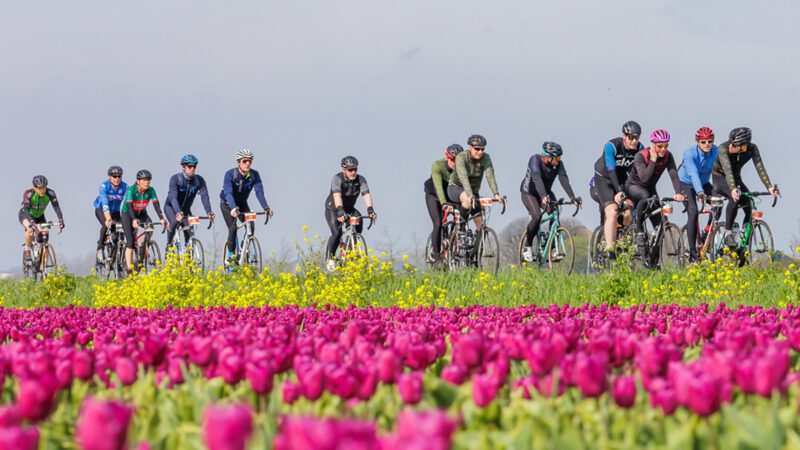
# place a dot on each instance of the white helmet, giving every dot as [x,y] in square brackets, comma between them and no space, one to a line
[244,153]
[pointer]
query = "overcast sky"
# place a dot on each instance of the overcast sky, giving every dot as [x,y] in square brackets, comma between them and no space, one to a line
[87,84]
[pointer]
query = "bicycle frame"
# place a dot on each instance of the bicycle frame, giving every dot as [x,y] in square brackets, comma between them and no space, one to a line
[349,230]
[249,225]
[756,215]
[192,221]
[664,209]
[554,221]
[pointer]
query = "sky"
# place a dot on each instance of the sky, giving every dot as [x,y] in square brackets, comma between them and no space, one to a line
[88,84]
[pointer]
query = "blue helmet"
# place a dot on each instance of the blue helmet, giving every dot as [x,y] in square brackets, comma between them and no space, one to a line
[189,159]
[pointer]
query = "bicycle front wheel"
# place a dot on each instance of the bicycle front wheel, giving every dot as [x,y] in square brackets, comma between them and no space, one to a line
[598,259]
[198,254]
[49,263]
[152,256]
[561,252]
[357,246]
[252,254]
[761,247]
[489,251]
[104,269]
[671,251]
[456,254]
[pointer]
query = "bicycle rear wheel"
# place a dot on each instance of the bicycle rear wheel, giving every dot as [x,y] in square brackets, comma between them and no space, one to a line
[489,251]
[198,254]
[456,256]
[671,251]
[762,246]
[561,252]
[49,263]
[252,254]
[152,257]
[598,258]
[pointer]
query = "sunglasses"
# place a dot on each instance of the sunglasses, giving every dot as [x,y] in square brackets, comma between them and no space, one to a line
[661,146]
[116,176]
[479,149]
[705,142]
[351,169]
[191,166]
[631,137]
[246,161]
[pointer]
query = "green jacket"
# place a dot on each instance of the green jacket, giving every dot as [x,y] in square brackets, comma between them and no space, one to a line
[473,170]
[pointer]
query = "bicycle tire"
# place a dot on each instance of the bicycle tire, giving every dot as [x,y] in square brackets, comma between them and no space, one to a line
[104,269]
[429,250]
[454,259]
[198,254]
[252,254]
[761,247]
[49,262]
[28,267]
[597,260]
[152,257]
[561,252]
[120,266]
[671,251]
[489,251]
[358,245]
[717,245]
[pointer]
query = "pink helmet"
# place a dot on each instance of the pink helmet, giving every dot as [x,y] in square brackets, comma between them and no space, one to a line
[659,136]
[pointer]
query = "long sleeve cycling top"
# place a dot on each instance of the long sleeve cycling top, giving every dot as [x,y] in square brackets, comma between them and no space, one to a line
[616,156]
[183,190]
[110,198]
[469,173]
[437,183]
[730,164]
[236,188]
[695,169]
[539,178]
[647,172]
[136,202]
[33,204]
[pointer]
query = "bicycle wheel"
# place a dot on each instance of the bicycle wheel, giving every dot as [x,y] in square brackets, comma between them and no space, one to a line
[628,244]
[152,257]
[118,262]
[762,246]
[49,263]
[104,269]
[671,252]
[29,266]
[456,256]
[252,254]
[561,252]
[597,260]
[357,246]
[489,251]
[195,249]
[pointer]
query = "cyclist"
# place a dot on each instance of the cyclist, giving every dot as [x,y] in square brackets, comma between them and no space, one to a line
[436,196]
[465,180]
[134,211]
[726,176]
[236,188]
[648,165]
[108,204]
[536,189]
[184,186]
[346,186]
[695,176]
[610,175]
[34,202]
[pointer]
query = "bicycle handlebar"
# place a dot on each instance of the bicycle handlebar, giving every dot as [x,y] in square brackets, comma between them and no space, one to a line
[753,195]
[347,217]
[563,201]
[209,218]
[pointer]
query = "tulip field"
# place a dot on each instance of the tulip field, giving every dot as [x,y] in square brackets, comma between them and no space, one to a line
[523,359]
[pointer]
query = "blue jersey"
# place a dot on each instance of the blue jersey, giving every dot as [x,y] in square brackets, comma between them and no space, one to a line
[110,198]
[236,188]
[695,170]
[182,192]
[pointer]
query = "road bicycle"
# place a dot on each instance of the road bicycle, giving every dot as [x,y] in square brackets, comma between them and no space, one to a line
[352,243]
[248,250]
[113,262]
[663,247]
[599,259]
[448,223]
[146,252]
[553,247]
[704,246]
[42,262]
[479,248]
[189,245]
[754,244]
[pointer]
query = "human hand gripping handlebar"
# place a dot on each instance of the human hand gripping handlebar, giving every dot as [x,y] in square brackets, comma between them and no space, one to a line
[354,220]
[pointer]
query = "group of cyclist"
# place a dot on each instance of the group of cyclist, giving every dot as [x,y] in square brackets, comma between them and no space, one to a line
[627,171]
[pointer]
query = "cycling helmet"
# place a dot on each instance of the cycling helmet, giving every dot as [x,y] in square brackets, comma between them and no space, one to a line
[552,149]
[115,170]
[189,159]
[144,174]
[452,150]
[349,162]
[704,133]
[39,181]
[476,140]
[659,136]
[740,136]
[631,128]
[244,153]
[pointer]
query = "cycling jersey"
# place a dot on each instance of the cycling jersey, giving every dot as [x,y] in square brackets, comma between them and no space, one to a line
[33,204]
[110,198]
[436,184]
[469,173]
[236,188]
[350,190]
[615,155]
[730,165]
[540,177]
[695,169]
[183,190]
[136,202]
[646,172]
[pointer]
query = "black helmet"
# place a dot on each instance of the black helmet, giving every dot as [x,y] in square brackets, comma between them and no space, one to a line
[39,181]
[115,170]
[453,149]
[349,162]
[144,174]
[631,128]
[476,140]
[740,136]
[552,149]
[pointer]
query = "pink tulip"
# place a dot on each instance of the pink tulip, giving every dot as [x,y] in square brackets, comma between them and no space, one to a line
[35,399]
[103,425]
[426,430]
[18,438]
[260,377]
[467,349]
[9,416]
[704,395]
[623,390]
[389,366]
[484,390]
[291,392]
[201,351]
[410,387]
[590,375]
[83,365]
[126,370]
[227,427]
[454,375]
